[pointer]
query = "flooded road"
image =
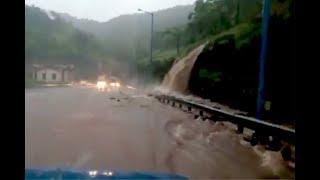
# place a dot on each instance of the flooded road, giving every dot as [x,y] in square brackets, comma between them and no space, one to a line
[86,129]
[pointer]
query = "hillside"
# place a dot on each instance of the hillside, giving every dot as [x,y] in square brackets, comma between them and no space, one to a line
[226,71]
[131,24]
[127,37]
[49,39]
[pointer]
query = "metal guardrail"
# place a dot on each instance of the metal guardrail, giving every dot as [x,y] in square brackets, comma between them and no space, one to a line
[260,127]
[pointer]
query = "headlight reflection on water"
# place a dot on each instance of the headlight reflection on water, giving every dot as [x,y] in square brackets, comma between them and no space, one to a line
[95,173]
[130,87]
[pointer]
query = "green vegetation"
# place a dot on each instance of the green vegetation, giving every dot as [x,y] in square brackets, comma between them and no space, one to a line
[212,76]
[55,39]
[212,17]
[226,71]
[211,21]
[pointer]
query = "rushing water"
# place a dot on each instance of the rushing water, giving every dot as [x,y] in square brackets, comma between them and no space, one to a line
[175,84]
[86,129]
[177,78]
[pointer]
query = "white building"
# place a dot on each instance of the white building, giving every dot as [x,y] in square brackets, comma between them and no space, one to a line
[53,73]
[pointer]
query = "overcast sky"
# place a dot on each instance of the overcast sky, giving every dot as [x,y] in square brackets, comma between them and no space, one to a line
[103,10]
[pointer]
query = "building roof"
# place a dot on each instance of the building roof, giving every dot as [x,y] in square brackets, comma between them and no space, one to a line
[53,66]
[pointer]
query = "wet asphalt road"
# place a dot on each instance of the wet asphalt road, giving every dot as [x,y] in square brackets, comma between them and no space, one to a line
[86,129]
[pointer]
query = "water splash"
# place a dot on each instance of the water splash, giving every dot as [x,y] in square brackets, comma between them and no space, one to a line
[177,78]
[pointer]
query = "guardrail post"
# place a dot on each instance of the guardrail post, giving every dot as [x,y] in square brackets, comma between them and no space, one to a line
[275,144]
[240,129]
[254,139]
[200,113]
[189,108]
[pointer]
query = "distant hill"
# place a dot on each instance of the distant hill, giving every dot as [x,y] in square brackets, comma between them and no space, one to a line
[127,37]
[138,23]
[50,39]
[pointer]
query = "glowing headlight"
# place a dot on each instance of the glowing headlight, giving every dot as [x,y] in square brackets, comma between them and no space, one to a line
[115,84]
[101,84]
[108,173]
[93,173]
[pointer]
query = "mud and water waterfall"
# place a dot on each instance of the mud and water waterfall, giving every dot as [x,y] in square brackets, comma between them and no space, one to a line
[177,78]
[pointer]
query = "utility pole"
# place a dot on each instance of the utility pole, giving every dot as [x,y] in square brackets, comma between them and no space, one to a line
[151,39]
[262,59]
[151,43]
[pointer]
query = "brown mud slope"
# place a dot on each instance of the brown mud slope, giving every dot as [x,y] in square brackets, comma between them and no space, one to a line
[177,78]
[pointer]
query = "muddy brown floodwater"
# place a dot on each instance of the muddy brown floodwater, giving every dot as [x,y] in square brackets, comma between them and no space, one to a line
[86,129]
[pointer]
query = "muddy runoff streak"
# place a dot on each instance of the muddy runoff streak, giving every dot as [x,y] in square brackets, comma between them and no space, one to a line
[85,129]
[177,78]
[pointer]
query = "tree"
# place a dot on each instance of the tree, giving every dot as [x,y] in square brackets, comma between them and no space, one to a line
[214,16]
[176,33]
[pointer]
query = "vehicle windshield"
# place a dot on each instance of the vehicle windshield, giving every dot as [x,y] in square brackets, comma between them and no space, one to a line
[196,89]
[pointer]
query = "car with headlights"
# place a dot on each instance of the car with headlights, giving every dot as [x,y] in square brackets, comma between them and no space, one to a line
[114,83]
